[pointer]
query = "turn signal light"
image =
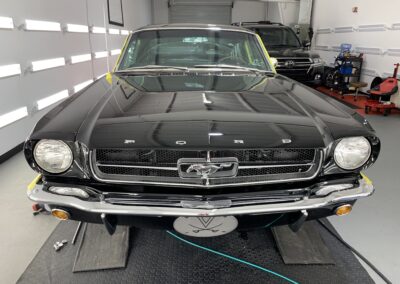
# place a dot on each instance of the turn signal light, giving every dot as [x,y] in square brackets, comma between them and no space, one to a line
[343,210]
[60,214]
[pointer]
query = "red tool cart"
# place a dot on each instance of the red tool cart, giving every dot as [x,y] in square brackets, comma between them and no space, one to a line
[380,95]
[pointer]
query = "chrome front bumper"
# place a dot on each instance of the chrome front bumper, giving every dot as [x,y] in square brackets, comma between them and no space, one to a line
[365,188]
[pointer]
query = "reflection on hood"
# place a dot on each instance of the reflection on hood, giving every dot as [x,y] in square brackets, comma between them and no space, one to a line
[194,82]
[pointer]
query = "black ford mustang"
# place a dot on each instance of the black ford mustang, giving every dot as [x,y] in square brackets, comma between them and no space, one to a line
[195,131]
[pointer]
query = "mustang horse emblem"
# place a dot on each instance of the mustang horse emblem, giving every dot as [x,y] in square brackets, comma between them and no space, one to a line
[205,171]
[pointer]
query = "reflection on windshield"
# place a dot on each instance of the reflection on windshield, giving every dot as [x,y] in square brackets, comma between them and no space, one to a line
[188,48]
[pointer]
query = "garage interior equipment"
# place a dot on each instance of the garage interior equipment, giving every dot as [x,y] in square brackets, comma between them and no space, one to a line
[381,94]
[55,49]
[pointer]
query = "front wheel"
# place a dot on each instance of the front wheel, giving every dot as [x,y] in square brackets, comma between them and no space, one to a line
[333,78]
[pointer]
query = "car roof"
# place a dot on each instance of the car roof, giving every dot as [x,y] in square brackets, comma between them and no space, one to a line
[259,23]
[195,26]
[265,26]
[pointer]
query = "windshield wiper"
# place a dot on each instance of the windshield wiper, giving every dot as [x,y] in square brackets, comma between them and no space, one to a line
[152,67]
[227,66]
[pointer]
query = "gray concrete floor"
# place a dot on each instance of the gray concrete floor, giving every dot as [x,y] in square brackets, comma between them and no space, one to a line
[22,234]
[373,227]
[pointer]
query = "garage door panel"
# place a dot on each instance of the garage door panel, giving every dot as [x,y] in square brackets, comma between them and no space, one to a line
[196,13]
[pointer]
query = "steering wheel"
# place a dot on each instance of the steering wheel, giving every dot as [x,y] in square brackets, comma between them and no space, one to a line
[230,59]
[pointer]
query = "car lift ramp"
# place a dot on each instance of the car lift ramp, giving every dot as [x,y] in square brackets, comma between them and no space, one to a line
[154,256]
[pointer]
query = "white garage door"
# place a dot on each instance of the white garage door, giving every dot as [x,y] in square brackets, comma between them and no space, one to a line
[207,12]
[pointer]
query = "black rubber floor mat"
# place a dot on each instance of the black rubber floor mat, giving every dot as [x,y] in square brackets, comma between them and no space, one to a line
[98,250]
[157,257]
[303,247]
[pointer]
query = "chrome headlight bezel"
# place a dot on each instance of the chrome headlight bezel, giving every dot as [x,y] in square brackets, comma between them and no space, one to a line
[353,145]
[69,191]
[53,156]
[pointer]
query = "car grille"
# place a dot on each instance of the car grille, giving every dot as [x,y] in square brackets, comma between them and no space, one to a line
[256,166]
[293,64]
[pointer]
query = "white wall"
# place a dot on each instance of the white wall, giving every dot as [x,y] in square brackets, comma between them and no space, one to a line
[333,14]
[23,47]
[284,13]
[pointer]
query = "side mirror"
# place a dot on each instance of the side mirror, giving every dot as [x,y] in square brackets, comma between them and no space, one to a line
[274,61]
[306,43]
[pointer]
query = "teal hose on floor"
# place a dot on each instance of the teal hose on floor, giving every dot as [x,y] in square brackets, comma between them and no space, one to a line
[235,258]
[273,222]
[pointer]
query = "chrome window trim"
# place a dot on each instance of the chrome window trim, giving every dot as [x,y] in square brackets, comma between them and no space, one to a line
[188,185]
[212,28]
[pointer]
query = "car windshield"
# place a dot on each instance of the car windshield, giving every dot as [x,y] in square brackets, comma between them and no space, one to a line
[278,37]
[193,48]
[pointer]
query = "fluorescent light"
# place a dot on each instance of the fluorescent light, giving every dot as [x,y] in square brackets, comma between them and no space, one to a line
[10,70]
[80,58]
[124,32]
[82,85]
[32,25]
[6,23]
[98,30]
[113,31]
[101,54]
[48,63]
[215,134]
[13,116]
[72,28]
[115,51]
[48,101]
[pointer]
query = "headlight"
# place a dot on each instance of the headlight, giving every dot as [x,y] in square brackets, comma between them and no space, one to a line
[352,153]
[53,156]
[317,60]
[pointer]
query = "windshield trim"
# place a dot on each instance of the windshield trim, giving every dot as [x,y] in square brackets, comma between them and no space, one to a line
[129,39]
[195,28]
[197,70]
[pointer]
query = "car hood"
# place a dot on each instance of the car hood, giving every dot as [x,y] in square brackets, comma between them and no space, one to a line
[291,52]
[199,111]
